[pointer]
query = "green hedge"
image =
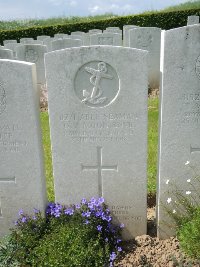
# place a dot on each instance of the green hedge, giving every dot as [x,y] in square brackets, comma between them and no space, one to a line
[163,20]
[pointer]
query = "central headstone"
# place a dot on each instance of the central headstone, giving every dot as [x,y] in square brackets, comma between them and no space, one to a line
[98,121]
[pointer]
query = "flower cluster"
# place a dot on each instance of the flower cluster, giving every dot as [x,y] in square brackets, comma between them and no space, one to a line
[23,218]
[94,213]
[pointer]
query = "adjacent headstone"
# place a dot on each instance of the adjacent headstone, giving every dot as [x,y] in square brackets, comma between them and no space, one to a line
[113,29]
[6,54]
[77,37]
[25,40]
[60,35]
[77,33]
[65,43]
[179,141]
[126,36]
[48,44]
[148,38]
[9,41]
[192,20]
[43,37]
[13,46]
[22,181]
[94,31]
[86,39]
[35,54]
[98,121]
[108,38]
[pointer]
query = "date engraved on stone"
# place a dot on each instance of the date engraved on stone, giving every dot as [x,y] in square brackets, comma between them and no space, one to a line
[31,55]
[197,67]
[96,84]
[2,99]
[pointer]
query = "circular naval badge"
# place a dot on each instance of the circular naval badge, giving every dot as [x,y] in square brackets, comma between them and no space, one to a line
[96,84]
[197,67]
[2,99]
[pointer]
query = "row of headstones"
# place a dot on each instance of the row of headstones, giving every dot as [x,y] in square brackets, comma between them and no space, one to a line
[147,38]
[98,122]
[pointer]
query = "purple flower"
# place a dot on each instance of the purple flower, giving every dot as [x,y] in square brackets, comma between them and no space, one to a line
[84,201]
[86,214]
[121,225]
[99,228]
[118,241]
[101,200]
[106,239]
[36,211]
[113,256]
[87,222]
[69,211]
[24,219]
[90,206]
[21,212]
[119,249]
[78,206]
[15,223]
[34,218]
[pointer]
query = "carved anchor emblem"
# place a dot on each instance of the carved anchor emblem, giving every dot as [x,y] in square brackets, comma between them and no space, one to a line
[95,96]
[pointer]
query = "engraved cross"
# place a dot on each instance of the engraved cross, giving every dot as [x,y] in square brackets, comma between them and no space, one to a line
[5,180]
[100,167]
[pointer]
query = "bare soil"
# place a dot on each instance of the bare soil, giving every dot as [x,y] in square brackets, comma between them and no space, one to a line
[150,251]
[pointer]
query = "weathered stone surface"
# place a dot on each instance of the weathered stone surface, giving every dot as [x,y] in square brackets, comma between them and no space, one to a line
[35,54]
[9,41]
[22,181]
[60,35]
[126,36]
[108,38]
[98,121]
[13,46]
[43,37]
[179,141]
[192,20]
[94,31]
[65,43]
[148,38]
[113,29]
[25,40]
[6,53]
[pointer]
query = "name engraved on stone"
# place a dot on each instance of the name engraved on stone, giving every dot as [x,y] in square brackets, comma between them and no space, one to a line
[197,67]
[100,167]
[144,41]
[2,99]
[31,55]
[6,180]
[105,40]
[102,84]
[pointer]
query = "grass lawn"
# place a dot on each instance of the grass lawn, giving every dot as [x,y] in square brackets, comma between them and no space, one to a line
[152,148]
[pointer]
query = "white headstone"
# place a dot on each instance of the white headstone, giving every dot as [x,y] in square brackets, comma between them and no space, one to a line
[108,38]
[48,42]
[60,35]
[86,39]
[22,181]
[126,36]
[113,29]
[77,33]
[77,37]
[6,54]
[9,41]
[43,37]
[179,140]
[65,43]
[25,40]
[148,38]
[13,46]
[35,54]
[94,31]
[192,20]
[98,121]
